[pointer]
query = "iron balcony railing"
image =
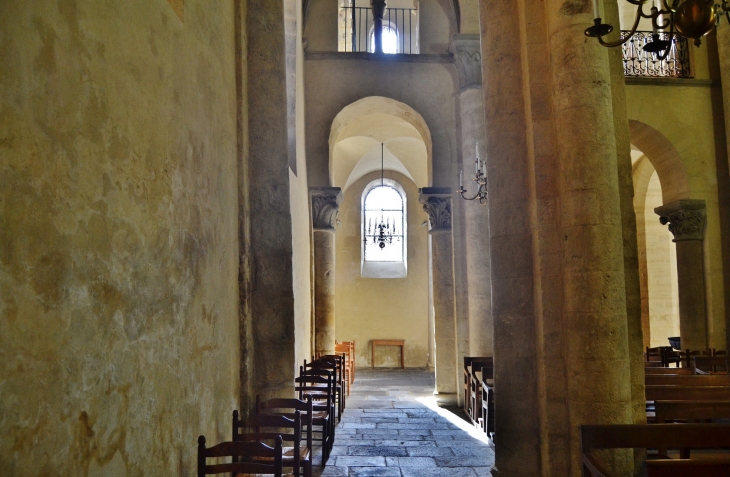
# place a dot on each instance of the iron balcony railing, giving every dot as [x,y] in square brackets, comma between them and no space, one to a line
[357,29]
[638,62]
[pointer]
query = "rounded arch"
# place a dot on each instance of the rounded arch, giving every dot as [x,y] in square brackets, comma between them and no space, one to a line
[360,128]
[664,157]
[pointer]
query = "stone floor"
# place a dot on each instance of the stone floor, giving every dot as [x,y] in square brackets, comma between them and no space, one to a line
[393,427]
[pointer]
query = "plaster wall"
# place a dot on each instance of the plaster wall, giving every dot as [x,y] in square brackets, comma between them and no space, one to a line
[380,308]
[673,111]
[118,235]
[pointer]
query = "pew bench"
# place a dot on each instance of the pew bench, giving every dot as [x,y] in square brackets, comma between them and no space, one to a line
[687,393]
[688,380]
[654,436]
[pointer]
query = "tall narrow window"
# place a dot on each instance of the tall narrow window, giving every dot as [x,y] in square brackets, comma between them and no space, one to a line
[384,230]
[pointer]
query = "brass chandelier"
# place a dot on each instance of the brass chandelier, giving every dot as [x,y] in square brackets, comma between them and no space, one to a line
[690,18]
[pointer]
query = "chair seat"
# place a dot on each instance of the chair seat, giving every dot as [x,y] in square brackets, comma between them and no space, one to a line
[288,452]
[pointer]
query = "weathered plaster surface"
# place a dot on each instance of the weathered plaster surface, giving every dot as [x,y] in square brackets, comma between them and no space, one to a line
[118,256]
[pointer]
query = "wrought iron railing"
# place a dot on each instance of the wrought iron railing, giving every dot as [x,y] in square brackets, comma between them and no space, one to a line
[638,62]
[356,25]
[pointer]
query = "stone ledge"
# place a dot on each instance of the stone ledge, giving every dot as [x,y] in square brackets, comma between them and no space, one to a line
[649,81]
[381,57]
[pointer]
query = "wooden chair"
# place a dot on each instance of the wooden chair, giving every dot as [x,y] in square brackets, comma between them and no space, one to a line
[344,348]
[244,458]
[668,436]
[289,408]
[269,427]
[340,361]
[319,388]
[333,364]
[336,387]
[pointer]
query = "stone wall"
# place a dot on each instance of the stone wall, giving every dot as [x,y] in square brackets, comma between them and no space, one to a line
[118,235]
[382,308]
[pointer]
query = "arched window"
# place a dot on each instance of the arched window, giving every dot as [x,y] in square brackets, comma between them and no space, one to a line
[390,39]
[384,230]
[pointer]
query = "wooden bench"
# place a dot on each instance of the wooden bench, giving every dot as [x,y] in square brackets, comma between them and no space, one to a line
[687,393]
[688,380]
[658,371]
[691,410]
[469,365]
[653,436]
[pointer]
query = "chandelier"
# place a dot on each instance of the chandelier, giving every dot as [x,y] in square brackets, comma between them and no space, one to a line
[480,177]
[690,18]
[384,229]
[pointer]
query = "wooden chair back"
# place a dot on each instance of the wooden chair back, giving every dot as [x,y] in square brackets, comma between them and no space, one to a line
[243,457]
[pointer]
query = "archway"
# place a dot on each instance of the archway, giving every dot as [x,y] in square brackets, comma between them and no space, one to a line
[371,302]
[659,178]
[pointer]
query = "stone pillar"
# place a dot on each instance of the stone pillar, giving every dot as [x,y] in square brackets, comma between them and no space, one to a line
[437,204]
[468,61]
[325,207]
[723,163]
[687,221]
[594,281]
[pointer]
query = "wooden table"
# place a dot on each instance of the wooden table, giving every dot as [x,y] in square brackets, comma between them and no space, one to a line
[401,343]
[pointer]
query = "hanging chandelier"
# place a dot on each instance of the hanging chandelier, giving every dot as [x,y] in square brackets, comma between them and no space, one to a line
[690,18]
[480,177]
[384,230]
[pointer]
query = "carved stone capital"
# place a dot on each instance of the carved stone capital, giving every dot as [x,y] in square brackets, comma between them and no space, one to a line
[687,219]
[325,207]
[467,59]
[437,204]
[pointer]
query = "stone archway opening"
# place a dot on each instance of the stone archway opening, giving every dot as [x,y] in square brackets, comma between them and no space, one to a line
[659,178]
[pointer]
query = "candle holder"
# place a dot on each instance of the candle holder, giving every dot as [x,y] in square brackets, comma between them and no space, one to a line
[480,177]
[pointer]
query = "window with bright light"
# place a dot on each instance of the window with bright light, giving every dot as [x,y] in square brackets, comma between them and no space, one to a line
[390,40]
[383,207]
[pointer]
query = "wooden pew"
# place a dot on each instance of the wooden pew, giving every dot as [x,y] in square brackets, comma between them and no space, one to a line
[666,411]
[469,362]
[652,436]
[687,393]
[688,380]
[480,374]
[655,371]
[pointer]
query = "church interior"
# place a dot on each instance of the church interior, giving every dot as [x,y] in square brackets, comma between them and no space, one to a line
[199,196]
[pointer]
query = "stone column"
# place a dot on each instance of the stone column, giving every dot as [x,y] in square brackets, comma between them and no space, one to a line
[687,221]
[437,204]
[325,207]
[468,61]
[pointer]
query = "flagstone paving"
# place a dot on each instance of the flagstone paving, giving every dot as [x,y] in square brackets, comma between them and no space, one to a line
[393,427]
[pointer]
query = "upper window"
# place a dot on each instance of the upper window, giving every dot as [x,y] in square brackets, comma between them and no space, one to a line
[384,247]
[400,27]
